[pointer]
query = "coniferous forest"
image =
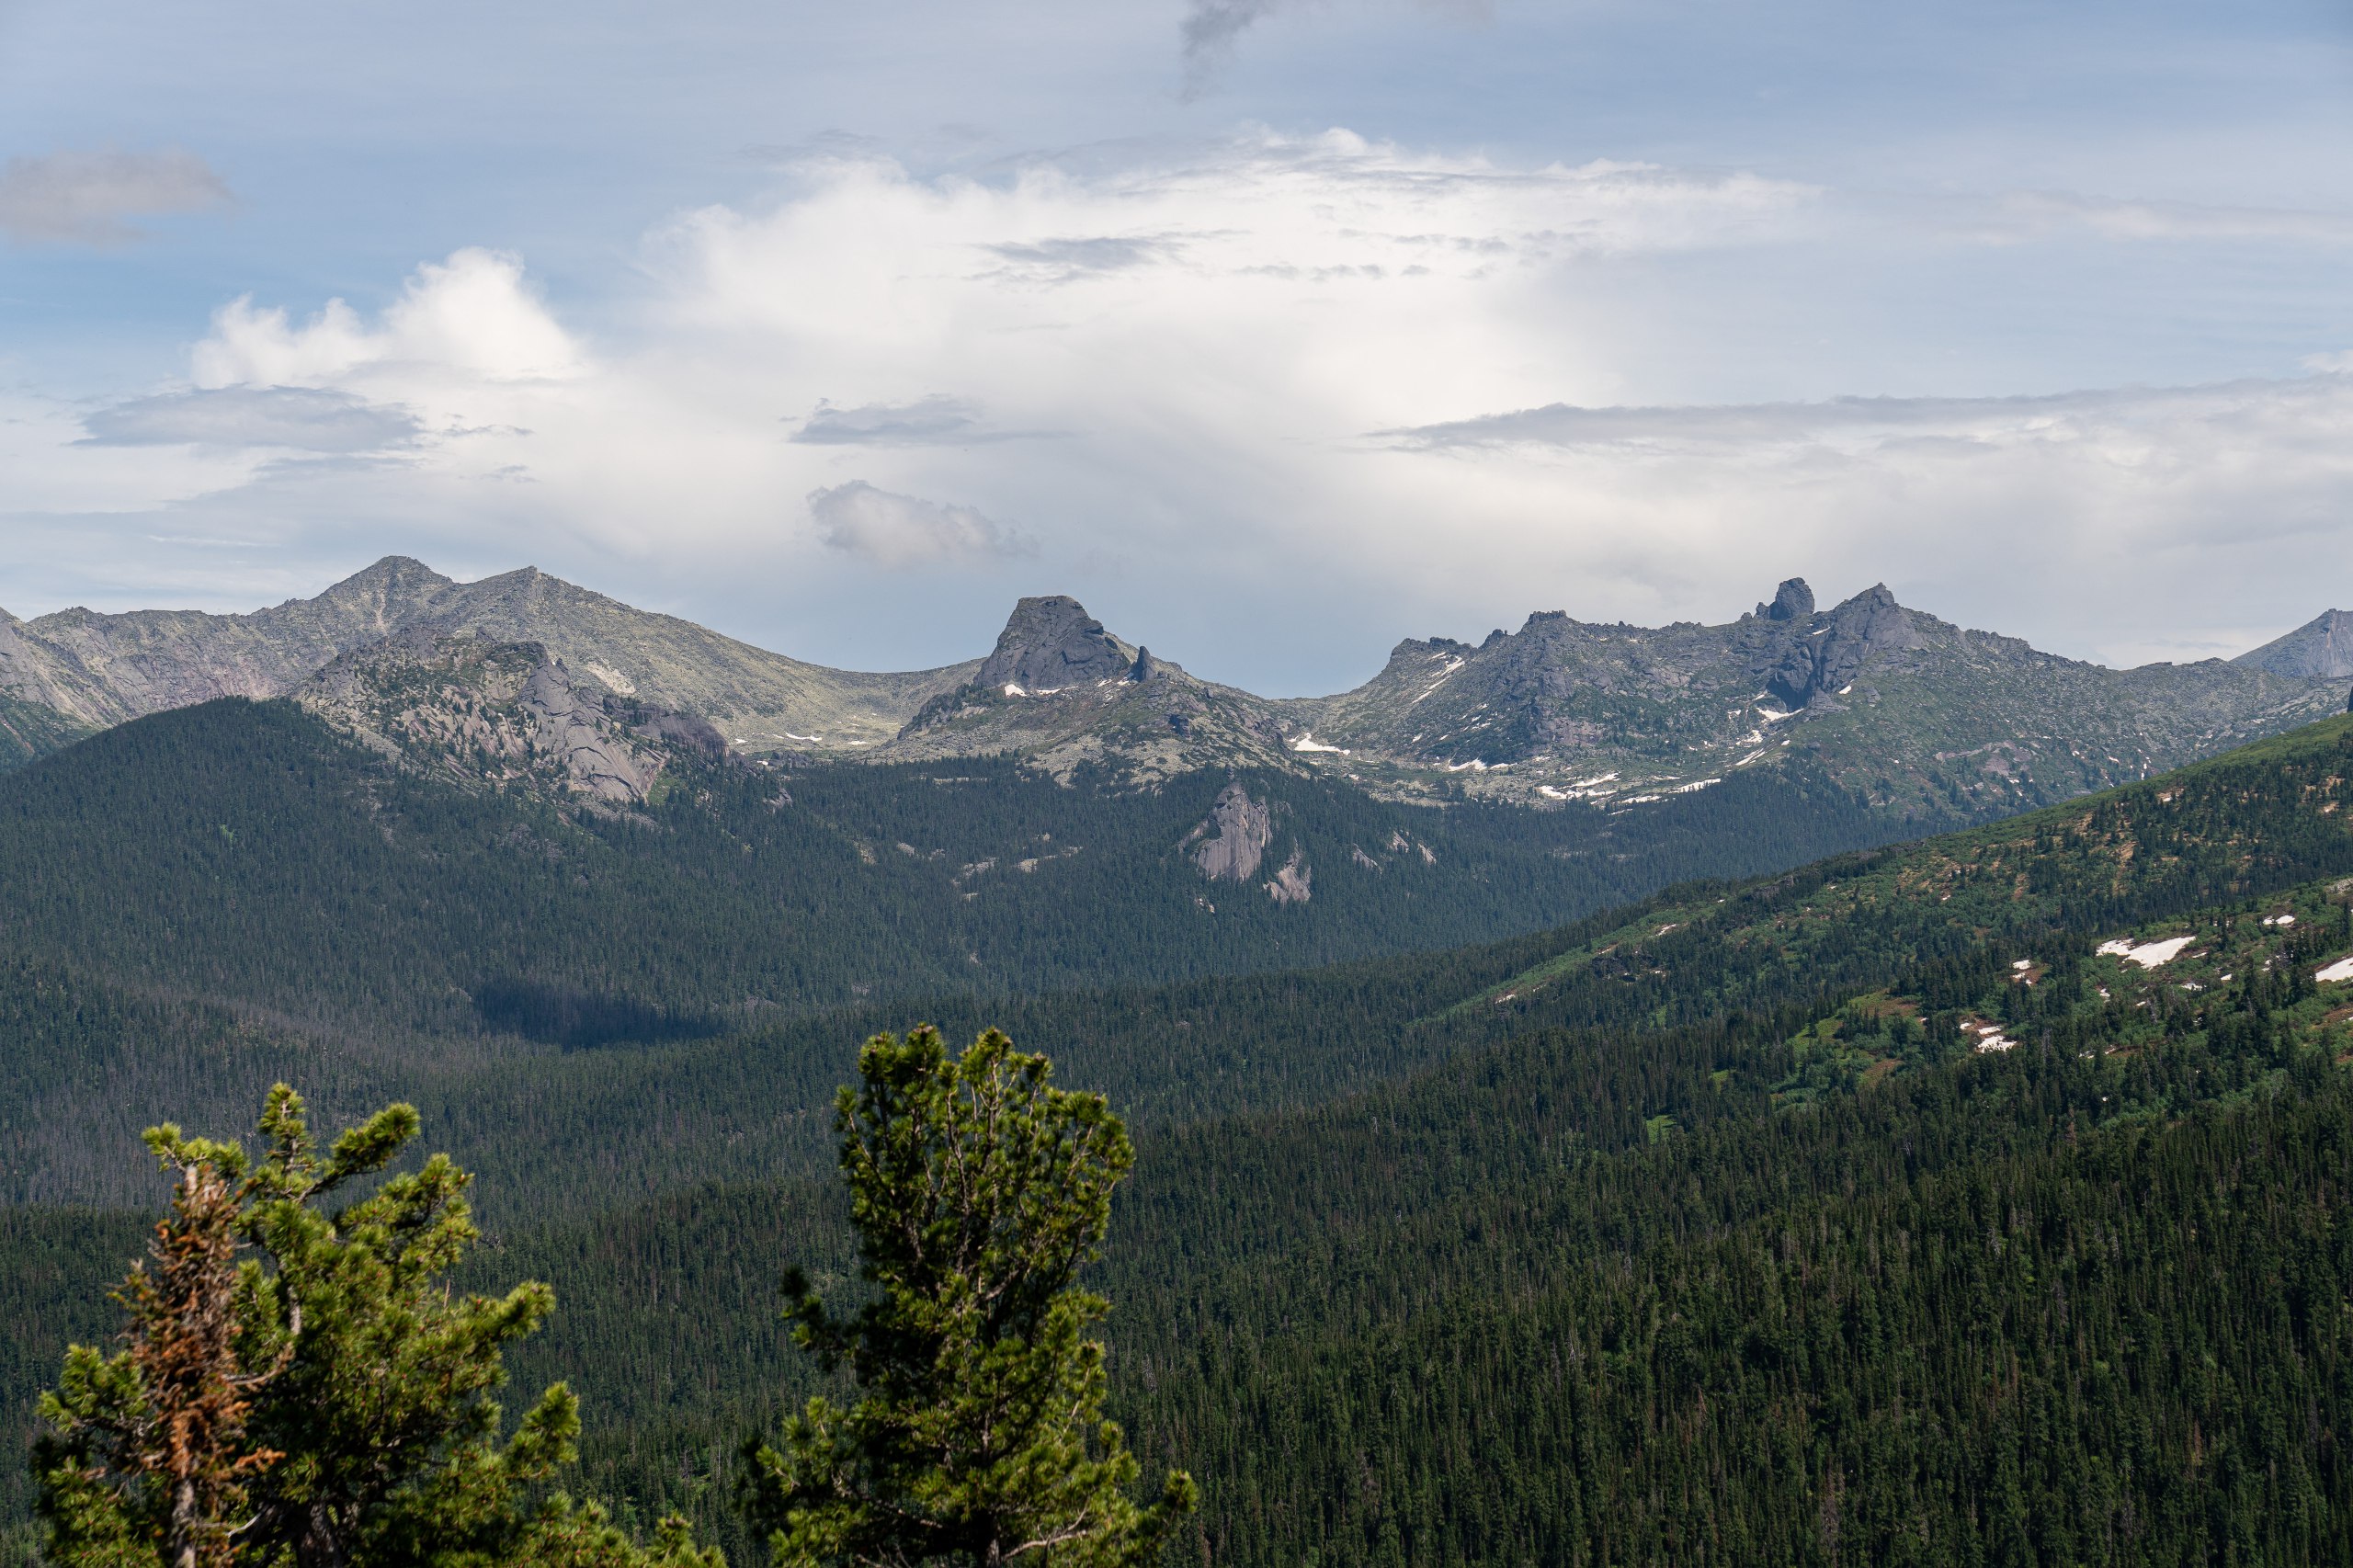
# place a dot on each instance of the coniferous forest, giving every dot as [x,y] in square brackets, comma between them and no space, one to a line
[1977,1199]
[1204,784]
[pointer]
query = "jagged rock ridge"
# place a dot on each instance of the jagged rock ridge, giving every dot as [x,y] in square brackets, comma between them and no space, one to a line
[1919,716]
[103,669]
[1062,690]
[1908,711]
[509,714]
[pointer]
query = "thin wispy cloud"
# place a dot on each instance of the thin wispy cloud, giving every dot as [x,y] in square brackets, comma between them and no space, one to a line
[1064,260]
[1569,427]
[308,419]
[2019,216]
[934,421]
[89,197]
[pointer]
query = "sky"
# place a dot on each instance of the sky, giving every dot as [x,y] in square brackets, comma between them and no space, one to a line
[1274,330]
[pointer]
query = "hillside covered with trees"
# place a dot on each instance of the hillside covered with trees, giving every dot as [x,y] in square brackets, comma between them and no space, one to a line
[1980,1200]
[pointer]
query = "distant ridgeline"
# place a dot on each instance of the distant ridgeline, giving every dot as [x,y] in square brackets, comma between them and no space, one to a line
[1979,1200]
[1921,720]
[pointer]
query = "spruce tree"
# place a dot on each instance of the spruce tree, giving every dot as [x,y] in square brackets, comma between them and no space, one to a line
[978,1191]
[325,1401]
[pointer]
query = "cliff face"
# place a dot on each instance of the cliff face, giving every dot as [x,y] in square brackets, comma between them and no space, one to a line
[1064,692]
[2321,649]
[507,715]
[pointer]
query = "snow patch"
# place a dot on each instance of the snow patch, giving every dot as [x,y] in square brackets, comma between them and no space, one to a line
[2340,970]
[1451,666]
[2148,955]
[812,740]
[2279,920]
[1308,743]
[1991,1038]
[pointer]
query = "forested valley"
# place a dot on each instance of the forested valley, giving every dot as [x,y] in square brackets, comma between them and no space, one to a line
[1980,1200]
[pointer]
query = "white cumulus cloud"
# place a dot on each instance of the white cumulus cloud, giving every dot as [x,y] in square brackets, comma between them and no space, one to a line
[471,315]
[893,530]
[1305,396]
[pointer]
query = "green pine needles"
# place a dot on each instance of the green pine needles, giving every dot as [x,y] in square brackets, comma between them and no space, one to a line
[300,1388]
[978,1191]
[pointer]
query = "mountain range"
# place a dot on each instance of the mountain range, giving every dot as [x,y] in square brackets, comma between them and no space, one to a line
[1920,720]
[98,670]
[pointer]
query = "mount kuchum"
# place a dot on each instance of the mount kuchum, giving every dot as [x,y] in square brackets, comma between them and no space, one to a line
[1919,718]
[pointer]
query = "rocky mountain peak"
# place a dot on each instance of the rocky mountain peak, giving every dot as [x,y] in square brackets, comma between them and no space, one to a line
[1823,663]
[1051,642]
[1793,601]
[2321,649]
[511,713]
[391,569]
[396,591]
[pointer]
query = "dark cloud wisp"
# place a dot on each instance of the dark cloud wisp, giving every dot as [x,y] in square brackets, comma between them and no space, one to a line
[926,422]
[307,419]
[1209,30]
[1068,260]
[85,197]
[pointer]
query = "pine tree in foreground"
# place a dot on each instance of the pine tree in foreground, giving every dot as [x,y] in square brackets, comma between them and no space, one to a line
[978,1191]
[323,1401]
[150,1459]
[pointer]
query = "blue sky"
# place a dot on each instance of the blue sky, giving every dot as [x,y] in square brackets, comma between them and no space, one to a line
[838,327]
